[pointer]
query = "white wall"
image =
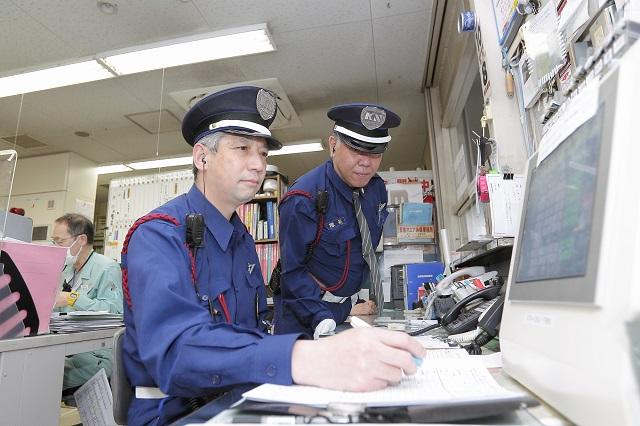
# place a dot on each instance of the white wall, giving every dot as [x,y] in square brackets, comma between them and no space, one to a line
[505,126]
[49,186]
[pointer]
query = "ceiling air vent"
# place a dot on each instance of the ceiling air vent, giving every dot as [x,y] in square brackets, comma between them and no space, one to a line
[148,121]
[24,141]
[286,117]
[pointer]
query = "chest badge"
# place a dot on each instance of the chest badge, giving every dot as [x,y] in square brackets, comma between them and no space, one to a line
[339,221]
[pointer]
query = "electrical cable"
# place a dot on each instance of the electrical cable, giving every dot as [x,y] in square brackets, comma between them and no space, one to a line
[423,330]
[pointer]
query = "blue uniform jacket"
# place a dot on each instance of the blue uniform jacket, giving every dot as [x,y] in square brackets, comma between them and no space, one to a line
[337,261]
[172,340]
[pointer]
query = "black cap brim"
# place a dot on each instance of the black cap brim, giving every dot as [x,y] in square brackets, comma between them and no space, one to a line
[272,143]
[366,147]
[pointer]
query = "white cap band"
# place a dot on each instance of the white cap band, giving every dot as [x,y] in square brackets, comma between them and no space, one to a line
[240,123]
[360,137]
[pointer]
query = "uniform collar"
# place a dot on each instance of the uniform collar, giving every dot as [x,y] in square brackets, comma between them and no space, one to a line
[218,225]
[85,272]
[345,190]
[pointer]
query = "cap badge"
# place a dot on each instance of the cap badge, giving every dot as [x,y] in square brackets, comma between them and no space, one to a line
[266,104]
[372,117]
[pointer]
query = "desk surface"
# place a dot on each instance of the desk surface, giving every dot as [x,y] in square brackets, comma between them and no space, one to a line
[31,371]
[31,342]
[539,415]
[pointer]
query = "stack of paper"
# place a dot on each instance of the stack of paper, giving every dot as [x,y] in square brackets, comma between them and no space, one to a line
[446,376]
[84,321]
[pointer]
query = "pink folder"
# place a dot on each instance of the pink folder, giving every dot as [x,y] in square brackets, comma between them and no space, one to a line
[35,274]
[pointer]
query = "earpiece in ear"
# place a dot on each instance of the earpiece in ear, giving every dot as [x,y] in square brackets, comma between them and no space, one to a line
[204,161]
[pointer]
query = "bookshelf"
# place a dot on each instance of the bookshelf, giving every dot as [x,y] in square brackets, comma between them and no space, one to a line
[260,216]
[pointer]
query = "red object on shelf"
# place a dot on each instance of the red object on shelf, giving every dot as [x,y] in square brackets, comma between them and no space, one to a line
[17,210]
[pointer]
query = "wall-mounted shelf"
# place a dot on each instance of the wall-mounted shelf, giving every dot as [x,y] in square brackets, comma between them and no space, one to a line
[493,252]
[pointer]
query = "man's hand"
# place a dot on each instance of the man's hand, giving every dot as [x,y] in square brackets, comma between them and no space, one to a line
[361,359]
[366,308]
[62,299]
[324,327]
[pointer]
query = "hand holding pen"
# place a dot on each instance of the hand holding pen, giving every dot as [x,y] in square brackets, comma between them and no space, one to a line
[360,323]
[361,359]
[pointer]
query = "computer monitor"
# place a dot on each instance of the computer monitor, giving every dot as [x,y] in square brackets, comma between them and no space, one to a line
[573,296]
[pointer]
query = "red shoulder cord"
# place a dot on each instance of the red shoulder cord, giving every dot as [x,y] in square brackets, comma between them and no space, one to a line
[319,228]
[125,249]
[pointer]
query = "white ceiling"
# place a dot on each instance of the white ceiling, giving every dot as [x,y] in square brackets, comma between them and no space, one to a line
[328,52]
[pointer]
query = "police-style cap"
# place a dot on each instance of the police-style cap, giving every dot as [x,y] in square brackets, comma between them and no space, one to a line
[243,110]
[365,126]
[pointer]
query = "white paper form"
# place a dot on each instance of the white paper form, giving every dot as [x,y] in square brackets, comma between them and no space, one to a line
[440,380]
[571,115]
[95,402]
[506,197]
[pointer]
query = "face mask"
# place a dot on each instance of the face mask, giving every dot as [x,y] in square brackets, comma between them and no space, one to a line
[71,259]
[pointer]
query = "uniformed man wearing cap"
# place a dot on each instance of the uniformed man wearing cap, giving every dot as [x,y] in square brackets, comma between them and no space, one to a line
[323,258]
[194,294]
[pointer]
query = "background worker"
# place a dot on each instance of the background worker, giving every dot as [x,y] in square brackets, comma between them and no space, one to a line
[89,282]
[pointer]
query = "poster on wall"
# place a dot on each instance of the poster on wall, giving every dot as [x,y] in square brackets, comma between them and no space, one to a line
[411,177]
[85,208]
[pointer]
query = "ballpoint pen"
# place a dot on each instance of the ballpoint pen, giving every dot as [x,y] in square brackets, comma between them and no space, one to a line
[360,323]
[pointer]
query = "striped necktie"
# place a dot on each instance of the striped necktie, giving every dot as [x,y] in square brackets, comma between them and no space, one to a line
[368,253]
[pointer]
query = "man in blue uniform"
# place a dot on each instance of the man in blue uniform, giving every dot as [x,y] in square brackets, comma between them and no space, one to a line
[194,294]
[324,259]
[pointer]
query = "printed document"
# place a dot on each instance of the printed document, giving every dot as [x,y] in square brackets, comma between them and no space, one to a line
[448,375]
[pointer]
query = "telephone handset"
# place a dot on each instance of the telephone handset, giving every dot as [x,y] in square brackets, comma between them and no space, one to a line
[472,271]
[446,282]
[459,320]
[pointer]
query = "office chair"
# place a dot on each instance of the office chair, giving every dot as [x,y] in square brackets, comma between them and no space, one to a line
[120,387]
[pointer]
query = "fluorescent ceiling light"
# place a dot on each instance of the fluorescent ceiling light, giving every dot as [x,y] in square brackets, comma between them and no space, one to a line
[308,146]
[50,78]
[161,162]
[201,48]
[112,168]
[298,148]
[170,53]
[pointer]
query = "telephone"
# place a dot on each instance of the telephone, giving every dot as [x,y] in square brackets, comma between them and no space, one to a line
[472,271]
[442,287]
[488,328]
[462,317]
[475,318]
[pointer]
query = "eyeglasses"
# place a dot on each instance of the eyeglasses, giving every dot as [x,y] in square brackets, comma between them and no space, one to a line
[60,241]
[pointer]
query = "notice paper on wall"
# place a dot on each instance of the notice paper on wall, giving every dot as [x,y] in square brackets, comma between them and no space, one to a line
[505,200]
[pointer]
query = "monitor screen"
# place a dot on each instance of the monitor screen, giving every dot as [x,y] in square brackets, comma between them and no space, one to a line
[559,210]
[562,219]
[570,329]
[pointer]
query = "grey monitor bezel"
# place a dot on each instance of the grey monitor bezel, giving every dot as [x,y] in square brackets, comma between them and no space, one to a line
[577,289]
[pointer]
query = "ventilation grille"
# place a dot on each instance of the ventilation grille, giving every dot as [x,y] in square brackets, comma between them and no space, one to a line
[148,121]
[286,117]
[39,233]
[24,141]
